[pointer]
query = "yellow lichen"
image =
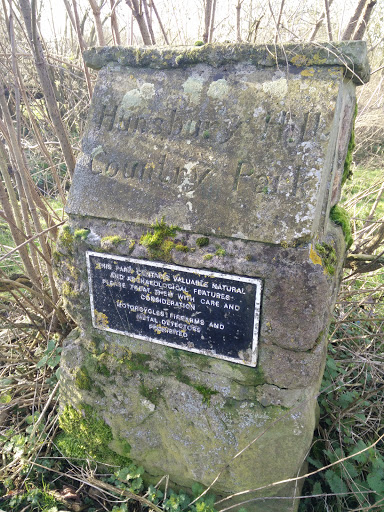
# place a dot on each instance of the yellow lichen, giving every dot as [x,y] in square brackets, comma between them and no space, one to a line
[314,257]
[299,60]
[101,319]
[316,59]
[308,72]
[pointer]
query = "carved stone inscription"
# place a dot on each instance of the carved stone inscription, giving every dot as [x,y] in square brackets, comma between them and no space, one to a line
[239,151]
[205,312]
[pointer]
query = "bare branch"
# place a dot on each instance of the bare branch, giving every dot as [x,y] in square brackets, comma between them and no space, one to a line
[319,23]
[354,20]
[160,23]
[211,25]
[139,16]
[207,20]
[279,20]
[99,26]
[364,21]
[46,84]
[328,18]
[149,21]
[114,24]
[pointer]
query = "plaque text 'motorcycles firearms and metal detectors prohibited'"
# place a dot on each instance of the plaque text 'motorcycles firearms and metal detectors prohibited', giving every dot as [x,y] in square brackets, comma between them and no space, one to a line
[191,309]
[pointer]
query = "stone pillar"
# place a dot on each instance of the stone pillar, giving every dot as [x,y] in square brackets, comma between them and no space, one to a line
[200,261]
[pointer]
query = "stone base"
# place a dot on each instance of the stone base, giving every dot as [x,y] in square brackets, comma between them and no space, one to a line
[188,415]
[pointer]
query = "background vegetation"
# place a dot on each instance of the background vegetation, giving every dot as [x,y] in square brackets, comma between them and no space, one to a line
[44,96]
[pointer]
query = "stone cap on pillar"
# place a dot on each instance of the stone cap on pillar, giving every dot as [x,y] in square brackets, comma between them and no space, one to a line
[352,55]
[237,140]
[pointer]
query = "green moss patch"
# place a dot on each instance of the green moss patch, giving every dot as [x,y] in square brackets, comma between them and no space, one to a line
[207,393]
[138,362]
[68,291]
[328,257]
[66,238]
[85,435]
[252,376]
[82,379]
[220,251]
[202,241]
[340,217]
[81,234]
[159,241]
[113,240]
[181,248]
[151,394]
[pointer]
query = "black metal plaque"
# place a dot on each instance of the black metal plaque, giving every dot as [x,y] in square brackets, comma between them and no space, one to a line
[191,309]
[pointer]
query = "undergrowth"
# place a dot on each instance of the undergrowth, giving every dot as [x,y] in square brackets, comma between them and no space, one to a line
[352,400]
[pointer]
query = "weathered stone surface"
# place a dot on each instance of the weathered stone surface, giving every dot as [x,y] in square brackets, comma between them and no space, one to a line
[171,424]
[350,55]
[172,143]
[294,310]
[150,394]
[246,156]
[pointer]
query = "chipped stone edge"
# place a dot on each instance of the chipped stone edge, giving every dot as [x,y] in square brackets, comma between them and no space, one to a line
[351,55]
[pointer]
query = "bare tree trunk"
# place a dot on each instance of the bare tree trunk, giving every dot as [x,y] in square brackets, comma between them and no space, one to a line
[279,20]
[354,20]
[319,23]
[114,24]
[96,9]
[160,23]
[364,22]
[14,68]
[20,91]
[211,25]
[15,232]
[328,18]
[139,16]
[9,187]
[131,30]
[252,31]
[238,20]
[46,84]
[207,20]
[82,47]
[149,21]
[25,179]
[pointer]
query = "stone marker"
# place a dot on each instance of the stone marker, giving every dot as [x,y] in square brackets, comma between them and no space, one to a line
[200,261]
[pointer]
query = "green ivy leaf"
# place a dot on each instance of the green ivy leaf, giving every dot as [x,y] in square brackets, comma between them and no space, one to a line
[5,398]
[51,346]
[42,362]
[136,485]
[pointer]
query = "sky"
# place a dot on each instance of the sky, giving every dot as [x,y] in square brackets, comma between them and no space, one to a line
[184,17]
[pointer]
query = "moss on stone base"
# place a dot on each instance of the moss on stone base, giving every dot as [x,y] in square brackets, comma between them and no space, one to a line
[202,241]
[81,234]
[82,379]
[328,257]
[205,392]
[112,240]
[65,238]
[158,241]
[340,217]
[85,435]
